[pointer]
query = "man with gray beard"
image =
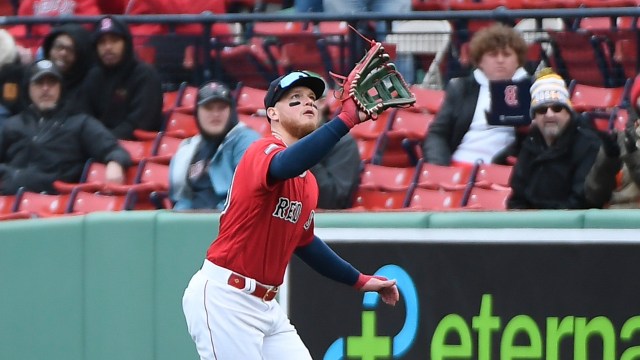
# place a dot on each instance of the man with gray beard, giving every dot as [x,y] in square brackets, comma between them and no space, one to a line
[557,154]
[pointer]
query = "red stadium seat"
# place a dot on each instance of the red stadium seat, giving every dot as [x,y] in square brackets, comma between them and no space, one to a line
[250,100]
[596,98]
[258,123]
[181,125]
[432,176]
[42,205]
[427,99]
[83,202]
[492,176]
[377,177]
[488,199]
[371,130]
[435,200]
[378,200]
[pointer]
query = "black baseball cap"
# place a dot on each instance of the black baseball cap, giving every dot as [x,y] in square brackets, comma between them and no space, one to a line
[213,91]
[281,85]
[111,25]
[43,68]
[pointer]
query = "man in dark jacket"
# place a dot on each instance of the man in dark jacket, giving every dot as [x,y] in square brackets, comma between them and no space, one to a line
[69,47]
[557,154]
[122,92]
[45,142]
[338,173]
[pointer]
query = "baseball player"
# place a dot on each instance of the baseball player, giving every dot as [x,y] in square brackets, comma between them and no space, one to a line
[229,303]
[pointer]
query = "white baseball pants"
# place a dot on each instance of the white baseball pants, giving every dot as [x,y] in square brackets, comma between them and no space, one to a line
[228,323]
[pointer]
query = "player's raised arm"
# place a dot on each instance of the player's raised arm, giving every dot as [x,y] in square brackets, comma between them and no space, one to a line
[319,256]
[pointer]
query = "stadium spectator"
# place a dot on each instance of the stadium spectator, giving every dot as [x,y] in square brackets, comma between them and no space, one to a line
[338,173]
[460,133]
[202,169]
[69,48]
[557,154]
[614,179]
[121,91]
[11,77]
[45,143]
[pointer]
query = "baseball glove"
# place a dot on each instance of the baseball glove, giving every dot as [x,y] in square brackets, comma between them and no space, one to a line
[374,84]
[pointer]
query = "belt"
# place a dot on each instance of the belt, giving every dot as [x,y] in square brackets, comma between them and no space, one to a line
[247,285]
[263,292]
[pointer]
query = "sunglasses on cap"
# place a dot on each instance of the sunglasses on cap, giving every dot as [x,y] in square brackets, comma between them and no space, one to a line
[290,78]
[543,109]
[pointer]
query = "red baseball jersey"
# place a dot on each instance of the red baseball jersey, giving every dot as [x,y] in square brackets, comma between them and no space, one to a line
[263,223]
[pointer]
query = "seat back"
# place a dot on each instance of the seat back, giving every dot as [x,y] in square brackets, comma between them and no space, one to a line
[432,176]
[435,200]
[379,200]
[83,202]
[258,123]
[181,125]
[250,100]
[42,205]
[492,176]
[488,199]
[378,177]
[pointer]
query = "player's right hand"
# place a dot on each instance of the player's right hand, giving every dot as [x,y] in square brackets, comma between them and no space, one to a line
[387,289]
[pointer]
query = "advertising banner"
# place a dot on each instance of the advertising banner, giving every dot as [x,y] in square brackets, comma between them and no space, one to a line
[475,299]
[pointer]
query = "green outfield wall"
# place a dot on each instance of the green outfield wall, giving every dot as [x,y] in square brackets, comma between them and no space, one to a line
[109,285]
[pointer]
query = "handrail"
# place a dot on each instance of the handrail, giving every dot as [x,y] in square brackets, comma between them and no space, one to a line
[496,14]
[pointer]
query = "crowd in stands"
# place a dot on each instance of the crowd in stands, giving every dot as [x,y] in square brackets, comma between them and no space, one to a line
[83,110]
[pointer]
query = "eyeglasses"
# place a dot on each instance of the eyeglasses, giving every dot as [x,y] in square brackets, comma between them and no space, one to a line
[543,109]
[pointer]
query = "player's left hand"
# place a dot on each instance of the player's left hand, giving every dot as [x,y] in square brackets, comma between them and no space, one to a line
[386,288]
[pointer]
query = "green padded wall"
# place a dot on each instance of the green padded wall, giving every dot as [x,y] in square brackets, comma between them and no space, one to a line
[109,285]
[181,243]
[41,311]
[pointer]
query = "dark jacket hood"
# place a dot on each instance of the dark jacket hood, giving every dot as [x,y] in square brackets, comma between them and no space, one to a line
[83,47]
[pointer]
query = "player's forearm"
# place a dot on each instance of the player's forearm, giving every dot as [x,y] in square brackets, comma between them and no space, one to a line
[308,151]
[322,259]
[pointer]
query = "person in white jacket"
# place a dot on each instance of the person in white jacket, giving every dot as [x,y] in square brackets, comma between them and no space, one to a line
[202,169]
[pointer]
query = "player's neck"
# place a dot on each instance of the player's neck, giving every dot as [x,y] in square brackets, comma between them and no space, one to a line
[284,137]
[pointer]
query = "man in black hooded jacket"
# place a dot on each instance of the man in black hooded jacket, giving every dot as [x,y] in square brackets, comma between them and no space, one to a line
[121,91]
[45,142]
[69,47]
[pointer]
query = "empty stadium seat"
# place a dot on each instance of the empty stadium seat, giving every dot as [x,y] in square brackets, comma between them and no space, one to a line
[427,99]
[181,125]
[384,178]
[595,98]
[435,200]
[250,100]
[488,199]
[258,123]
[42,205]
[366,199]
[83,202]
[491,176]
[432,176]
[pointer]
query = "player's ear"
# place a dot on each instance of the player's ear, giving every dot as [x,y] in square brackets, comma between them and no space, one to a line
[272,113]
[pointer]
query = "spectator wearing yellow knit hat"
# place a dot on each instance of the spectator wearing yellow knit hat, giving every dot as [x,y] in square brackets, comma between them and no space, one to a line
[614,179]
[557,153]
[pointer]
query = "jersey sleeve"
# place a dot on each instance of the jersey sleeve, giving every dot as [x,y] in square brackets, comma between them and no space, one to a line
[259,157]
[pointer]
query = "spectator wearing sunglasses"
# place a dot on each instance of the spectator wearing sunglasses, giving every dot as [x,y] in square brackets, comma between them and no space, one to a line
[614,179]
[557,154]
